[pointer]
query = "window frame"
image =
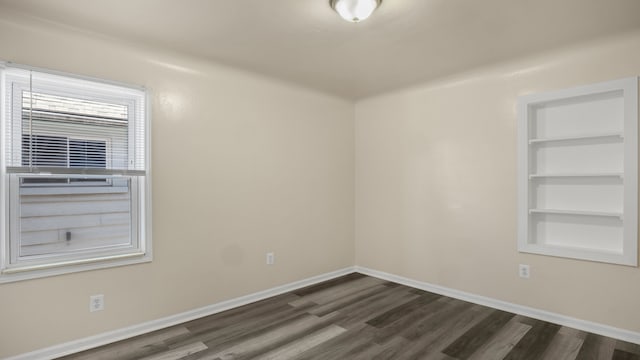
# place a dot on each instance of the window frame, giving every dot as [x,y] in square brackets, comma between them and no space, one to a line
[140,188]
[70,256]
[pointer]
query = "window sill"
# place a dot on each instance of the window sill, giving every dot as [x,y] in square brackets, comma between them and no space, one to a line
[26,272]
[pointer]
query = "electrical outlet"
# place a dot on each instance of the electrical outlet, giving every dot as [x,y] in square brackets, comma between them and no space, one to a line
[524,271]
[96,303]
[271,258]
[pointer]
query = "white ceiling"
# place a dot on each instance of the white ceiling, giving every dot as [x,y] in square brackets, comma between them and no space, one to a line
[304,41]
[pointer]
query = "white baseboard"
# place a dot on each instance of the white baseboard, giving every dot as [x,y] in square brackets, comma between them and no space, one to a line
[135,330]
[605,330]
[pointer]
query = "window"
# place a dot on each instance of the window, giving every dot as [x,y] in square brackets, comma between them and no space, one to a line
[75,174]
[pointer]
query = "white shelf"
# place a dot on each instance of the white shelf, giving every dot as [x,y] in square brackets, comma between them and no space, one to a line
[576,212]
[580,137]
[578,172]
[569,175]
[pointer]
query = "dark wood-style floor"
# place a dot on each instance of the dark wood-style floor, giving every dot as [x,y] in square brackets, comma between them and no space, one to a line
[360,317]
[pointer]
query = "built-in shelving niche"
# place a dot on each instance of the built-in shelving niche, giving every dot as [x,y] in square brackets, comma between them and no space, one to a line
[578,172]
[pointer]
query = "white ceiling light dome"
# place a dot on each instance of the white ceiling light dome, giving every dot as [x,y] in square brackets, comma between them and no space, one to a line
[355,10]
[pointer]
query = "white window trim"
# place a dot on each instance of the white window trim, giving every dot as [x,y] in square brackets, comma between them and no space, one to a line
[32,271]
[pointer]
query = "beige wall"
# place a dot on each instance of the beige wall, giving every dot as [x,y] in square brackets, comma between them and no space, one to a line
[436,186]
[241,165]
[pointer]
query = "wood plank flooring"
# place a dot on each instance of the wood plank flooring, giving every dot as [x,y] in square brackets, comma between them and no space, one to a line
[361,317]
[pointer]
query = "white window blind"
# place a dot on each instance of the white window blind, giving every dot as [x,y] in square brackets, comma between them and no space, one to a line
[42,106]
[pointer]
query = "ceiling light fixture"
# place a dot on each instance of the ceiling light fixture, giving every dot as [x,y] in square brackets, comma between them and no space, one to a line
[355,10]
